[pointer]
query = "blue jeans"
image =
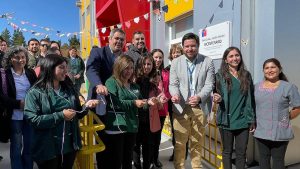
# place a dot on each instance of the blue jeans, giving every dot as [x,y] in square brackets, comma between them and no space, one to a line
[20,155]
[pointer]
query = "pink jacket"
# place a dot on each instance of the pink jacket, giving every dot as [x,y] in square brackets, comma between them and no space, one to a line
[164,87]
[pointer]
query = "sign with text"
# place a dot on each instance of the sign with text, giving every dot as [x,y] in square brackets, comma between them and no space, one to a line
[214,40]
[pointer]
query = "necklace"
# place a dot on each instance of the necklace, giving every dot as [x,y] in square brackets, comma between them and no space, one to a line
[268,84]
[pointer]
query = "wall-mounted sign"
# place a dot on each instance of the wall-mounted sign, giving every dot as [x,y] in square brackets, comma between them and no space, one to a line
[214,40]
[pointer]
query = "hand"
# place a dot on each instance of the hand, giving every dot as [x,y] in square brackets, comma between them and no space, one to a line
[217,98]
[252,127]
[101,89]
[92,103]
[175,99]
[162,98]
[194,101]
[152,101]
[140,103]
[69,114]
[77,76]
[22,104]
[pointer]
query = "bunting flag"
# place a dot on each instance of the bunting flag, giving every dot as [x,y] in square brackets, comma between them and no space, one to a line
[211,18]
[128,24]
[119,25]
[221,4]
[156,11]
[165,8]
[146,16]
[136,20]
[103,30]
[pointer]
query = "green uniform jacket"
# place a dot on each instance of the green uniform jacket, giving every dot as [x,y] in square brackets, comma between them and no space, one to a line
[48,125]
[223,117]
[75,68]
[123,101]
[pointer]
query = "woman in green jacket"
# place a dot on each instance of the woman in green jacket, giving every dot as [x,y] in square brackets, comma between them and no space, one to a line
[121,123]
[235,116]
[52,107]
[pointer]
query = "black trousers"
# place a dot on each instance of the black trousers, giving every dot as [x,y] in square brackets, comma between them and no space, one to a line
[118,150]
[241,140]
[101,157]
[144,140]
[274,149]
[59,163]
[157,139]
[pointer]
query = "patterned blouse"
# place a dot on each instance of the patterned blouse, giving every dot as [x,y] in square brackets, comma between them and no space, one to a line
[272,111]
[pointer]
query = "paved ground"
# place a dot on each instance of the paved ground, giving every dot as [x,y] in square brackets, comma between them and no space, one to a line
[165,152]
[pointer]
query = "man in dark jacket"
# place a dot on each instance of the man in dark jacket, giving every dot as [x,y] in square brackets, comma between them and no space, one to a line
[98,69]
[138,47]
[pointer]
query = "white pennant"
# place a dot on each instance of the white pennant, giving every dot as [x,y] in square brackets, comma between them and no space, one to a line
[136,20]
[61,35]
[103,30]
[68,34]
[146,16]
[119,26]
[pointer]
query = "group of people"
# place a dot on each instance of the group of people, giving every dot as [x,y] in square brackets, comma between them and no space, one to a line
[140,91]
[264,109]
[132,92]
[40,107]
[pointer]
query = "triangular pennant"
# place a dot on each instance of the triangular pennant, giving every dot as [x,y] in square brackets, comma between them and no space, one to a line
[103,30]
[165,8]
[156,11]
[119,26]
[24,30]
[46,36]
[61,35]
[211,18]
[23,22]
[146,16]
[221,4]
[112,27]
[47,29]
[68,34]
[136,20]
[127,24]
[34,25]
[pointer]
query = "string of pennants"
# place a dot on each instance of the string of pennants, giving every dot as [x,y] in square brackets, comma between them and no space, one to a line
[9,17]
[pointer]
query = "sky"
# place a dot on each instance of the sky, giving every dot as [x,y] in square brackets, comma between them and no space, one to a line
[59,15]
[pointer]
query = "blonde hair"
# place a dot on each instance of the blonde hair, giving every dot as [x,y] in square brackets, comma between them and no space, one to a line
[173,48]
[121,63]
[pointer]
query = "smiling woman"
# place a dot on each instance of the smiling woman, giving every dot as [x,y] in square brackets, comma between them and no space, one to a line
[277,103]
[15,82]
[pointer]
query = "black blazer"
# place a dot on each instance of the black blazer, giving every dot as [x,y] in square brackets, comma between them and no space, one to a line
[99,68]
[9,102]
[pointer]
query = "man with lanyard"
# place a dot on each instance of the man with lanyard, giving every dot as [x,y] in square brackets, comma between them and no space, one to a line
[98,69]
[191,83]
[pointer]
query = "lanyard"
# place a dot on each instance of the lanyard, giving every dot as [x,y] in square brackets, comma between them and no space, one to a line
[191,69]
